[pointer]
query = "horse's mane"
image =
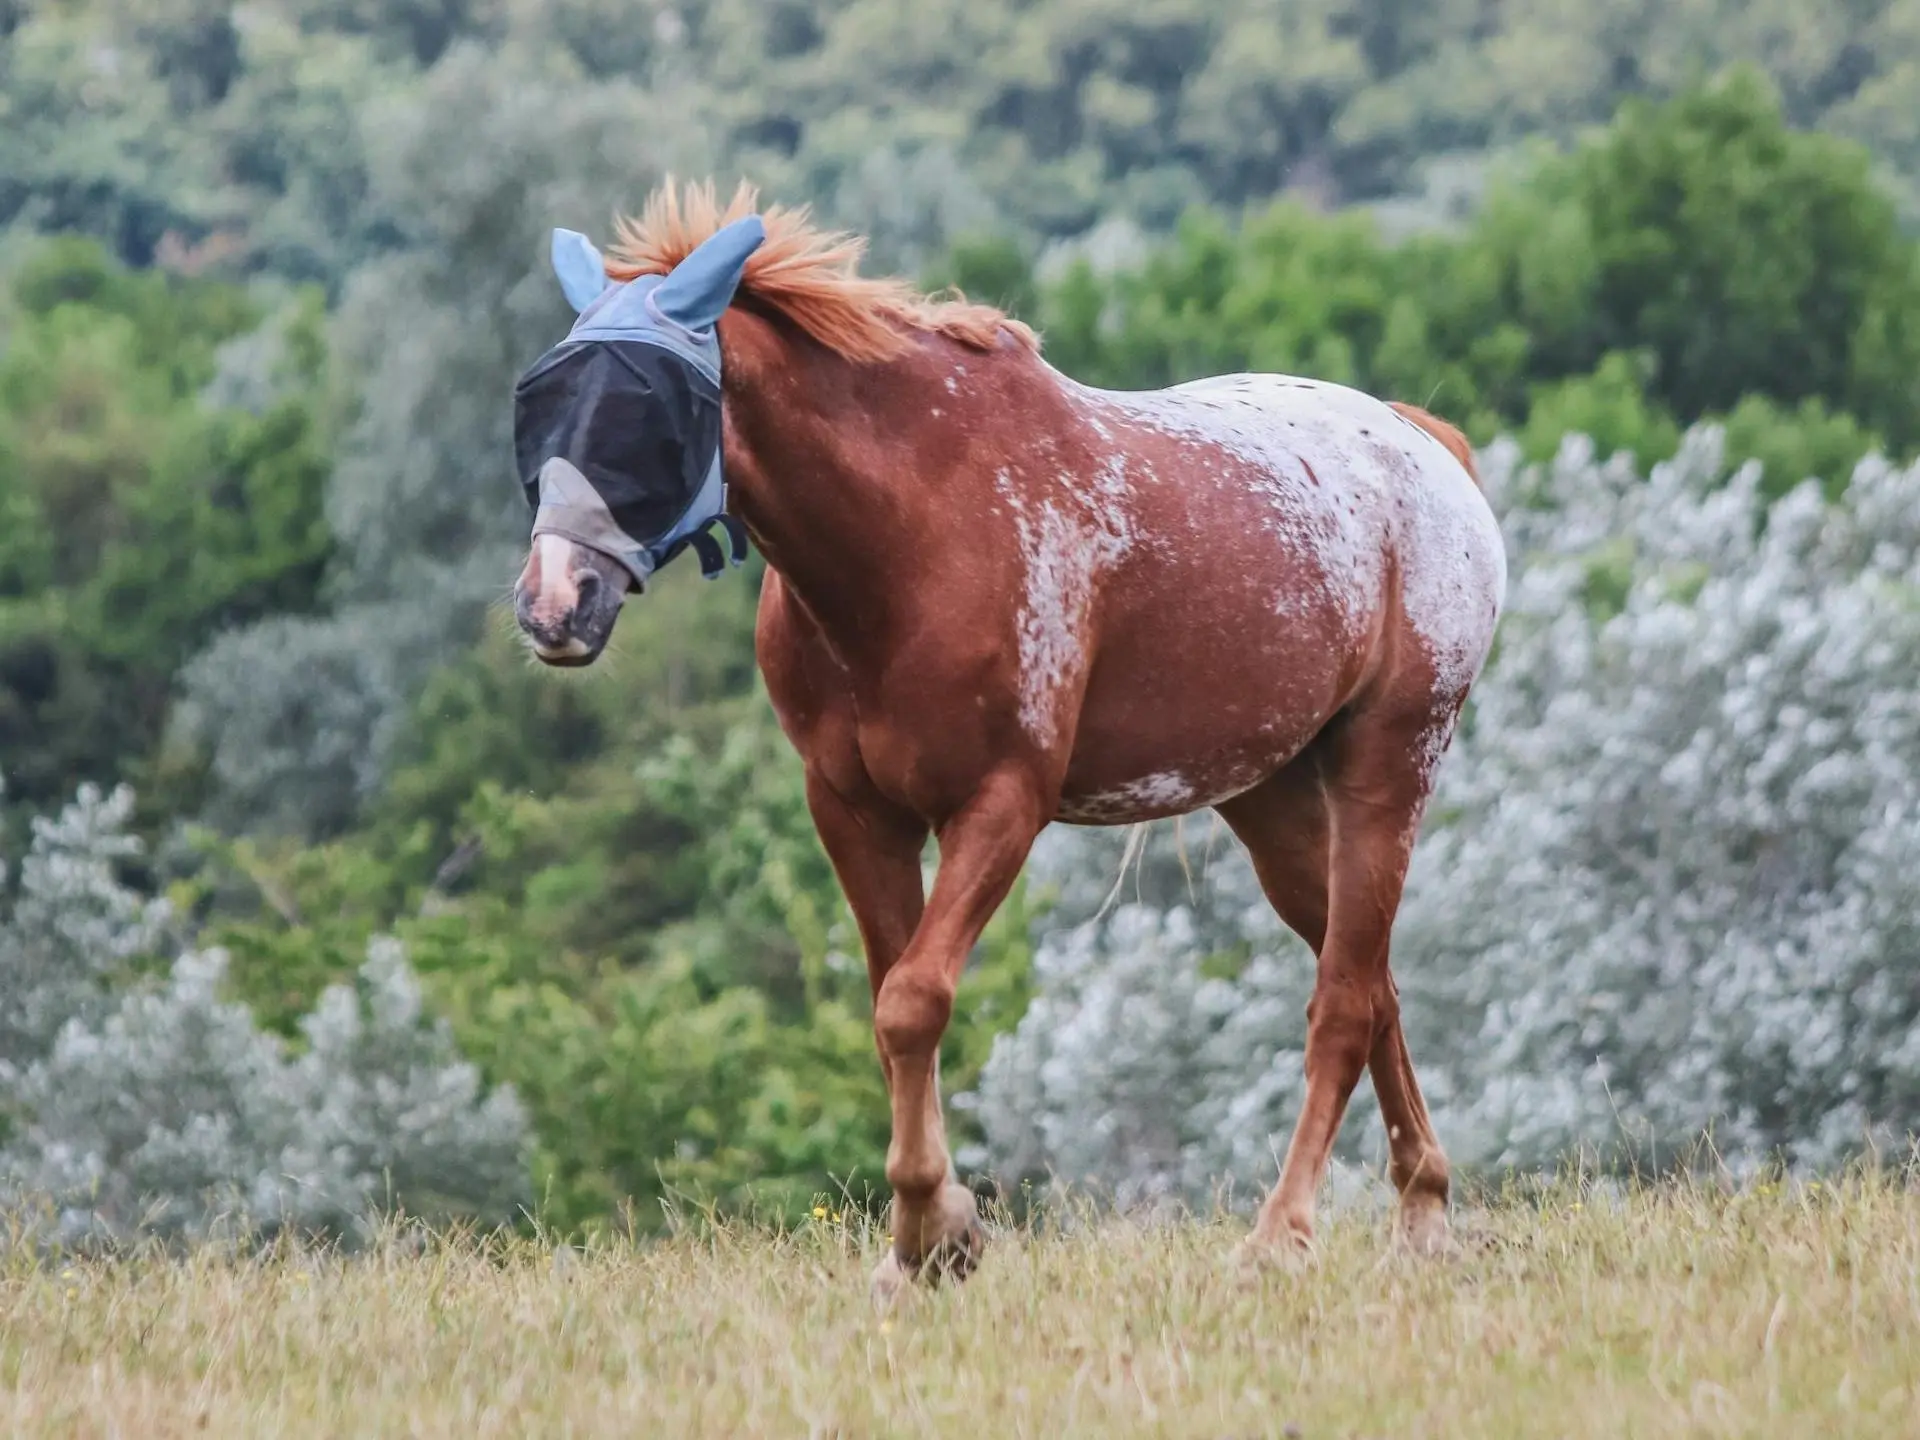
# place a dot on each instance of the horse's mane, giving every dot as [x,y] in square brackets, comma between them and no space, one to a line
[807,274]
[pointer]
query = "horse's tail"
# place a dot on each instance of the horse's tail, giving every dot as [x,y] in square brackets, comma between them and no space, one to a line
[1447,435]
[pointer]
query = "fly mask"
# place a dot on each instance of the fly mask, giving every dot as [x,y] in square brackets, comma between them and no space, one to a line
[617,428]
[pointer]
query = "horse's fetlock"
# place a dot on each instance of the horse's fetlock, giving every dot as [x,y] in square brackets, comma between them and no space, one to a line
[916,1183]
[1426,1177]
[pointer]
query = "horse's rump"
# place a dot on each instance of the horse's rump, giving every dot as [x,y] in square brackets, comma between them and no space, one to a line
[1448,435]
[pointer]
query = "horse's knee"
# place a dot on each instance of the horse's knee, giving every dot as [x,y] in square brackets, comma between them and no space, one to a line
[1340,1029]
[911,1012]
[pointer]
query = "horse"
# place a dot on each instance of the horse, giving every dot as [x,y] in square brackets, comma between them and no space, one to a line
[997,598]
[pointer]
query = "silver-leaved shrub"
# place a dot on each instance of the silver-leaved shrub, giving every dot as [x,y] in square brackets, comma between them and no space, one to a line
[1668,885]
[135,1099]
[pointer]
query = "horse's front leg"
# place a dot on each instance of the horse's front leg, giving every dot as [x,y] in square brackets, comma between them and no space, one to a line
[936,1227]
[875,852]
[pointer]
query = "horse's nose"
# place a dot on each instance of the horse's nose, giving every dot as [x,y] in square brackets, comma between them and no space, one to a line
[547,626]
[586,585]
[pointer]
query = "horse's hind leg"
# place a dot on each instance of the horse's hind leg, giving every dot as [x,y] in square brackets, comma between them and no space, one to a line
[1283,824]
[1417,1164]
[1330,837]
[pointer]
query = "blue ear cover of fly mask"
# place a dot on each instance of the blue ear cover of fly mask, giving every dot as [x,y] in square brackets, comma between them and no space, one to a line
[617,428]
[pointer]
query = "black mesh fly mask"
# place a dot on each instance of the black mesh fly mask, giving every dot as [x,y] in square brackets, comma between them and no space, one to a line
[617,428]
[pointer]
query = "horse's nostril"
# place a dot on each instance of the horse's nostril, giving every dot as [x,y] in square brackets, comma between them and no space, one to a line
[588,585]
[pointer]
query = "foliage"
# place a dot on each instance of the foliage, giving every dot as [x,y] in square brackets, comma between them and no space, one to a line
[1746,259]
[1695,257]
[138,521]
[1667,885]
[155,1106]
[186,132]
[251,547]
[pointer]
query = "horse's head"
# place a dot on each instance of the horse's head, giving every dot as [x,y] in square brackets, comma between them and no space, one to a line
[617,435]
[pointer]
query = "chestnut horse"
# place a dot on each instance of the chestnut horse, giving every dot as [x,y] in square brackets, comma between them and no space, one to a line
[998,598]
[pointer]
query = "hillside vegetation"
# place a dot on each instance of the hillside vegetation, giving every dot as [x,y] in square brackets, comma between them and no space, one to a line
[264,135]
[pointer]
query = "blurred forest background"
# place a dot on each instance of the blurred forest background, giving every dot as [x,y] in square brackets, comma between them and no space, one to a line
[323,897]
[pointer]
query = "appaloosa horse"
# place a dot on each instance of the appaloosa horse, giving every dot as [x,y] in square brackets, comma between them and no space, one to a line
[998,598]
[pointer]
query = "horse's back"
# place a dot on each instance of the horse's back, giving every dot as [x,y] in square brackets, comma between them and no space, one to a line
[1355,498]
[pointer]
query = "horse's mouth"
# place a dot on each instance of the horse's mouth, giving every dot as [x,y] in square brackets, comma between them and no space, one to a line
[570,656]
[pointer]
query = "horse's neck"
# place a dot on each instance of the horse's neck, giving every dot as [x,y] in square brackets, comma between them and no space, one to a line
[808,464]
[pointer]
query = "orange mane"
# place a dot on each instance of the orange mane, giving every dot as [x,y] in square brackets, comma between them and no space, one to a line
[807,274]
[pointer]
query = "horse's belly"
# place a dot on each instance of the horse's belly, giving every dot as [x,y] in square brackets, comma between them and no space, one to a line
[1178,789]
[1199,727]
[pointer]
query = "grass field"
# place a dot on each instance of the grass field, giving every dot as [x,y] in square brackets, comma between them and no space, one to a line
[1771,1311]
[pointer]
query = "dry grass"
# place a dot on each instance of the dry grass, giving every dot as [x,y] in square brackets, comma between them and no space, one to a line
[1674,1312]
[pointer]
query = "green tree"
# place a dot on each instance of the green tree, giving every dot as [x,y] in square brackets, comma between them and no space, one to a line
[1746,258]
[141,521]
[179,128]
[1697,256]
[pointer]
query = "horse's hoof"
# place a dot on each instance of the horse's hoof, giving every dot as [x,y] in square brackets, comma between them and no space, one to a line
[1422,1231]
[1258,1256]
[890,1281]
[954,1256]
[958,1256]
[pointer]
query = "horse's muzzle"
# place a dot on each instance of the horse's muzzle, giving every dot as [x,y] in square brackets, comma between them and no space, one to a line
[571,629]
